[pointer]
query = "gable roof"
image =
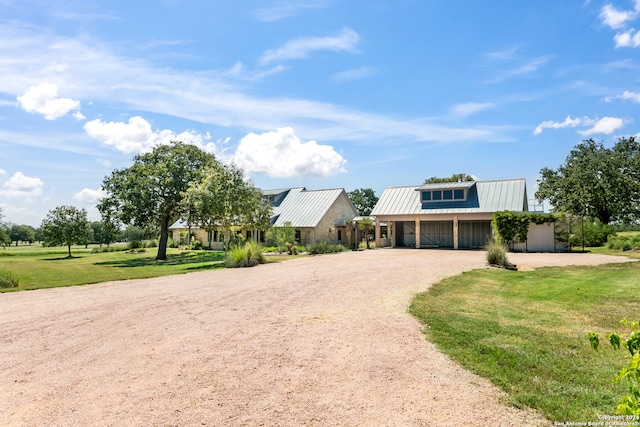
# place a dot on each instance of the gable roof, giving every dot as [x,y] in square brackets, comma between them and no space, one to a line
[482,197]
[302,207]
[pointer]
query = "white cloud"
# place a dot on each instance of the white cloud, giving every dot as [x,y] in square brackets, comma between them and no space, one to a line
[550,124]
[282,154]
[44,99]
[355,74]
[615,18]
[287,8]
[469,108]
[528,68]
[210,97]
[22,186]
[2,172]
[89,196]
[633,96]
[618,19]
[302,47]
[629,38]
[605,125]
[137,136]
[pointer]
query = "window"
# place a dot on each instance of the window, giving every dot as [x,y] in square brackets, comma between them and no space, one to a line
[447,194]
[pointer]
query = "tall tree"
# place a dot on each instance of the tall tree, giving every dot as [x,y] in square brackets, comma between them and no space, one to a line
[65,225]
[5,240]
[364,199]
[456,177]
[596,182]
[222,198]
[151,190]
[22,233]
[102,233]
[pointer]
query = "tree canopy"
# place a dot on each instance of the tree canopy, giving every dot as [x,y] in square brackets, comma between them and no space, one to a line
[224,198]
[65,225]
[596,182]
[456,177]
[4,237]
[364,200]
[150,192]
[22,233]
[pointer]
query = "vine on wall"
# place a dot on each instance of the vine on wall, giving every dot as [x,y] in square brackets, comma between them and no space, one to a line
[513,227]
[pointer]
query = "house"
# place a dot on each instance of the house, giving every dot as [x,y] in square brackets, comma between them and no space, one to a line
[316,215]
[452,215]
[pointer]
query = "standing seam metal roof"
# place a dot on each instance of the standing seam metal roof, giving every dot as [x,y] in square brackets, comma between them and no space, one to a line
[305,208]
[483,197]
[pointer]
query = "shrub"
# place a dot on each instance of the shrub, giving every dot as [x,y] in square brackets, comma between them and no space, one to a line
[151,244]
[629,403]
[324,248]
[108,249]
[248,255]
[8,279]
[292,248]
[172,244]
[135,244]
[623,243]
[593,233]
[497,253]
[196,245]
[254,253]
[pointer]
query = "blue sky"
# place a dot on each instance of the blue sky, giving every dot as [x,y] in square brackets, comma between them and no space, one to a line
[314,93]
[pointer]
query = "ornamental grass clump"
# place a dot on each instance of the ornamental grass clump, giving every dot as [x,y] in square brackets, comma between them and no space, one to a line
[8,279]
[497,254]
[248,255]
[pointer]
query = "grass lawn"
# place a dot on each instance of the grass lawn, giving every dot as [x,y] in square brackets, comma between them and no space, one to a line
[37,267]
[49,267]
[527,333]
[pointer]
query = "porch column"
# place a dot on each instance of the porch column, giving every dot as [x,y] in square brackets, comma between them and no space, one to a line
[455,232]
[391,231]
[377,233]
[417,233]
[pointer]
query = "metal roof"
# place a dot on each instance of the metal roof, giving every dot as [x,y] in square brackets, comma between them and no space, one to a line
[305,208]
[446,185]
[482,197]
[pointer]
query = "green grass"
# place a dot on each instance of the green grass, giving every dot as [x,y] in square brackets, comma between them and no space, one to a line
[35,267]
[527,332]
[50,267]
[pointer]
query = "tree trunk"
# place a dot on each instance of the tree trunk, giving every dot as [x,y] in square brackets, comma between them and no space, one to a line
[164,238]
[69,248]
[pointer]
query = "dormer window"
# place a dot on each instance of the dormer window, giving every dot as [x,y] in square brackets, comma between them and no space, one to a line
[440,195]
[445,192]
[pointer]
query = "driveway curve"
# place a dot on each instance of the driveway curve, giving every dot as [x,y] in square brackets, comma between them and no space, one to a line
[308,342]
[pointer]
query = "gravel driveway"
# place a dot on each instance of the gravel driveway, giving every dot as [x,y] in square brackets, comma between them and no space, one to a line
[318,341]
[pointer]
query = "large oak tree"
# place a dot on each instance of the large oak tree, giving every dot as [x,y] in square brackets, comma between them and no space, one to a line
[596,182]
[151,190]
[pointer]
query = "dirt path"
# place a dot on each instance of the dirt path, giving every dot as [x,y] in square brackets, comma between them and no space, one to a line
[317,341]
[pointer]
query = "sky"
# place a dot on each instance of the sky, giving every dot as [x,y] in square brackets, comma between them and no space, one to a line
[314,93]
